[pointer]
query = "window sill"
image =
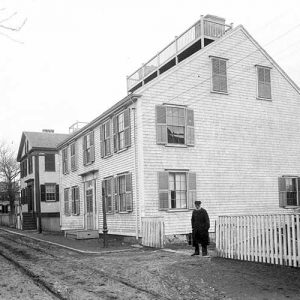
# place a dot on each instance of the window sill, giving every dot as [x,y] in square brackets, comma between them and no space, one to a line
[88,164]
[107,156]
[264,99]
[124,212]
[220,93]
[176,145]
[174,210]
[50,171]
[122,150]
[291,207]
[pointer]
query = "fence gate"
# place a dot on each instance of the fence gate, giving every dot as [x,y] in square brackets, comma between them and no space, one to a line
[153,231]
[273,239]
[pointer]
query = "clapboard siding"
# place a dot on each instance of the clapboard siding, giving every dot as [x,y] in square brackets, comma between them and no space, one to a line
[242,144]
[118,223]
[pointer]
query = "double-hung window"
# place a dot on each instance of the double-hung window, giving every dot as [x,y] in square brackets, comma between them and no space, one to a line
[263,82]
[219,74]
[176,190]
[107,194]
[88,148]
[174,125]
[121,130]
[105,139]
[49,192]
[75,200]
[123,193]
[65,168]
[73,156]
[289,191]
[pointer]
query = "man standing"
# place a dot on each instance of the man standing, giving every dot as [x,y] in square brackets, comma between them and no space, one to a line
[200,226]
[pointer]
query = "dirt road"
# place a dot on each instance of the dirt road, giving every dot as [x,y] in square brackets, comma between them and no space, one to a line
[144,274]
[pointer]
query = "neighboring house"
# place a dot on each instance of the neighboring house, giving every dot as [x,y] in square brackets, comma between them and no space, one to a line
[39,186]
[212,117]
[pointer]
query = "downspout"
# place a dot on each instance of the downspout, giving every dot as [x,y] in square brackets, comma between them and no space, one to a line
[136,174]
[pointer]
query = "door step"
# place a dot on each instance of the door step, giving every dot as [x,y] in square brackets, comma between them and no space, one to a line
[82,234]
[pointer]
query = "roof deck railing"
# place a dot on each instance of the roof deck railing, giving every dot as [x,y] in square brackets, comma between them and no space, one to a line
[208,27]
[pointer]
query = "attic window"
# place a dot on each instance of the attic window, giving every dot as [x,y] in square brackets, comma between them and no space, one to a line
[263,82]
[219,74]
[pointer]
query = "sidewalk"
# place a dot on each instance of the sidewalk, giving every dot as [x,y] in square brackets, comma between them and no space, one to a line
[95,246]
[88,246]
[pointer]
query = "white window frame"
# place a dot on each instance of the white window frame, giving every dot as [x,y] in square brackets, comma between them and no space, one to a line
[47,193]
[264,68]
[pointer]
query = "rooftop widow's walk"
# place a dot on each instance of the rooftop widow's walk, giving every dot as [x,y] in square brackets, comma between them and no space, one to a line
[199,35]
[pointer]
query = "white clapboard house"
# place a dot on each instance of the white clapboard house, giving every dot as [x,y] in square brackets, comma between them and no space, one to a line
[211,117]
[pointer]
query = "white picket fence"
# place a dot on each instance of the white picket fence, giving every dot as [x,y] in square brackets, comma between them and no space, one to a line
[273,239]
[153,232]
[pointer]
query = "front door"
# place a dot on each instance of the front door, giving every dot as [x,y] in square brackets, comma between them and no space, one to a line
[90,204]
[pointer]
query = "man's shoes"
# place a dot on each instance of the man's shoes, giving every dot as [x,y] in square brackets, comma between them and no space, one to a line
[195,253]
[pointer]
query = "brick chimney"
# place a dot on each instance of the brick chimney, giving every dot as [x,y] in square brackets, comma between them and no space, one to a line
[48,130]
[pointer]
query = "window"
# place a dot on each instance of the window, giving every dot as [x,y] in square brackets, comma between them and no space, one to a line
[177,190]
[174,125]
[50,192]
[121,130]
[50,162]
[75,201]
[30,165]
[263,82]
[65,169]
[123,193]
[107,194]
[66,202]
[73,157]
[289,189]
[105,143]
[219,75]
[88,148]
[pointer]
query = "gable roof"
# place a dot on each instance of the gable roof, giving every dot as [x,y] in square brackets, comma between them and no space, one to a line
[41,140]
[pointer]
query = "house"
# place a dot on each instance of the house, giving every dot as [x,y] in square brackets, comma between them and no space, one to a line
[211,117]
[39,170]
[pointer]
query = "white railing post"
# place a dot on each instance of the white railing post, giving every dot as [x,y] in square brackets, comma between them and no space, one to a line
[202,31]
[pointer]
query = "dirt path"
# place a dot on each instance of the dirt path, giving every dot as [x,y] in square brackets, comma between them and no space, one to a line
[148,274]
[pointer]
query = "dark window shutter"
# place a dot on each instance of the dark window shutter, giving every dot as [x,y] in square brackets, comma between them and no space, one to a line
[115,133]
[92,146]
[161,124]
[84,149]
[127,131]
[282,192]
[219,75]
[108,134]
[129,200]
[43,192]
[163,190]
[102,128]
[116,188]
[57,193]
[192,184]
[190,129]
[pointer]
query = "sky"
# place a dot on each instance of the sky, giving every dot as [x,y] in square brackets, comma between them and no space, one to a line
[70,60]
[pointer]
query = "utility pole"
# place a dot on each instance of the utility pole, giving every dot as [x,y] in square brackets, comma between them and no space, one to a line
[37,191]
[105,230]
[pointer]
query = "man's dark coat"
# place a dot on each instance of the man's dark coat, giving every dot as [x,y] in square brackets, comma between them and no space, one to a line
[200,226]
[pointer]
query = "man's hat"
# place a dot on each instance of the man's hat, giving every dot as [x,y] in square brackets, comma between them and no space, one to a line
[197,202]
